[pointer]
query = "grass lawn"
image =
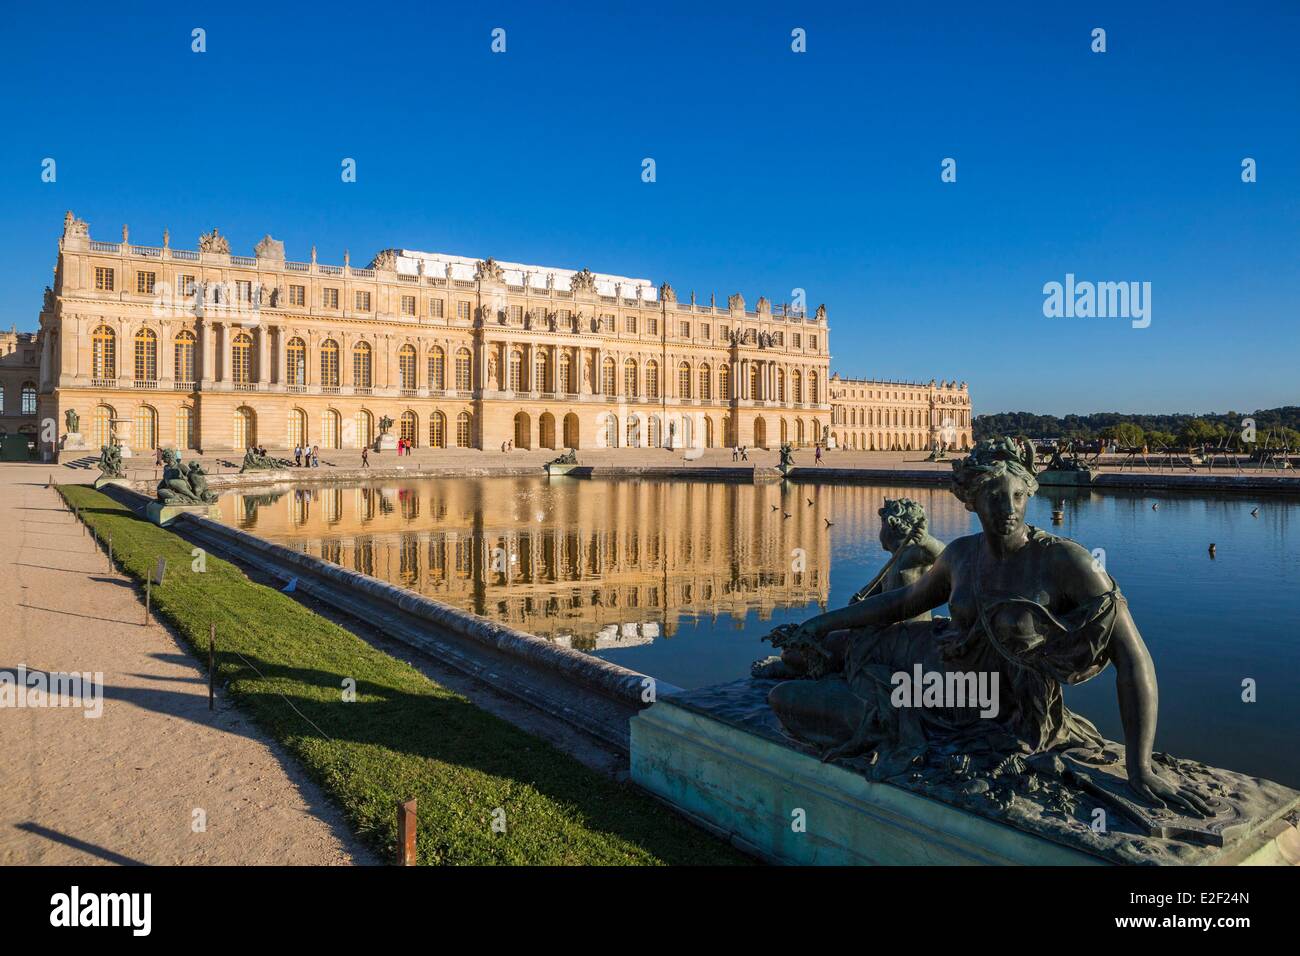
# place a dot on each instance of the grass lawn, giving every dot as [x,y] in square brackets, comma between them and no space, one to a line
[404,736]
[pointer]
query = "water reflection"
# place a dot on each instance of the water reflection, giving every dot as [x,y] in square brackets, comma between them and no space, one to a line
[595,565]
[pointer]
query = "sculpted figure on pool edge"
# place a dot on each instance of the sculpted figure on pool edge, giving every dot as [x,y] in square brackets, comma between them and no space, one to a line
[1031,608]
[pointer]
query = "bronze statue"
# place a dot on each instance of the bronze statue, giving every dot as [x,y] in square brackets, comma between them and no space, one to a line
[72,420]
[1031,612]
[913,551]
[254,460]
[183,484]
[570,457]
[110,461]
[787,457]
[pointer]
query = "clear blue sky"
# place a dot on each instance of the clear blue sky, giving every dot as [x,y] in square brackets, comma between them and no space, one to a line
[775,170]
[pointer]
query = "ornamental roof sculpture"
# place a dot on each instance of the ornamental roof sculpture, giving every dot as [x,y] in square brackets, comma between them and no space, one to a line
[214,241]
[74,228]
[488,269]
[385,259]
[583,281]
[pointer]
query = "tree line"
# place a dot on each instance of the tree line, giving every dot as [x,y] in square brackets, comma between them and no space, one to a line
[1273,428]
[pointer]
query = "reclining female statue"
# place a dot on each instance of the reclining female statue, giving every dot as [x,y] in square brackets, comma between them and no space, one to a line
[1032,608]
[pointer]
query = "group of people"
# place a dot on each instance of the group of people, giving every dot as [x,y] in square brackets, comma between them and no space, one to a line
[304,456]
[741,453]
[508,446]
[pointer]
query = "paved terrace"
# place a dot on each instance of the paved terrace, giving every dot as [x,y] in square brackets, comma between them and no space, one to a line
[837,465]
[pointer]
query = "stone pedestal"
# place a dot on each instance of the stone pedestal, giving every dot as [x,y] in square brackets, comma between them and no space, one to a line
[719,756]
[386,442]
[101,481]
[555,470]
[1064,479]
[163,515]
[74,441]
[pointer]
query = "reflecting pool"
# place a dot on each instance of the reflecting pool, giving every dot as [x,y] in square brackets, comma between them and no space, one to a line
[680,579]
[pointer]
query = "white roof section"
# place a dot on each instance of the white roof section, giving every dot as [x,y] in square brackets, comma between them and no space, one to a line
[519,273]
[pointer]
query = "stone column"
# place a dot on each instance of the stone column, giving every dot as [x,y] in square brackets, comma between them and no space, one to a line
[263,355]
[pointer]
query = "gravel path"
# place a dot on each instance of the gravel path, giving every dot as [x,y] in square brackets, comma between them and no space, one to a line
[157,778]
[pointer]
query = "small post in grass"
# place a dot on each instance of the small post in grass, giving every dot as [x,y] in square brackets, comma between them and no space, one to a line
[148,596]
[212,671]
[406,833]
[110,554]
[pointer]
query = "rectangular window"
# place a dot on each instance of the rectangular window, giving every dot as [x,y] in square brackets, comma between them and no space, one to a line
[297,295]
[798,340]
[517,314]
[103,279]
[144,282]
[408,305]
[437,308]
[186,287]
[780,338]
[462,310]
[705,330]
[243,290]
[686,330]
[652,325]
[812,342]
[330,298]
[363,301]
[629,324]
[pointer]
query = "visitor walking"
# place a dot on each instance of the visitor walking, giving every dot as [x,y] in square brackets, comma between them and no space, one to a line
[297,455]
[744,453]
[817,453]
[315,456]
[365,457]
[735,453]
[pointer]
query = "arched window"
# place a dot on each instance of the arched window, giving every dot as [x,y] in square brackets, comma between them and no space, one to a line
[241,359]
[437,369]
[630,378]
[652,379]
[464,367]
[330,422]
[245,427]
[406,367]
[329,364]
[409,427]
[146,355]
[812,387]
[541,370]
[437,430]
[796,388]
[103,427]
[516,370]
[145,436]
[608,377]
[706,382]
[297,427]
[295,354]
[753,380]
[103,362]
[633,431]
[780,385]
[362,366]
[29,398]
[724,388]
[566,373]
[365,425]
[183,357]
[684,380]
[463,436]
[611,431]
[185,427]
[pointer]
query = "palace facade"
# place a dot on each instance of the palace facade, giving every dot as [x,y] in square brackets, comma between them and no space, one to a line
[877,415]
[19,374]
[205,350]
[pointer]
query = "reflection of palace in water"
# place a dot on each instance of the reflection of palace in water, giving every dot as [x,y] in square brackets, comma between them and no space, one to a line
[596,564]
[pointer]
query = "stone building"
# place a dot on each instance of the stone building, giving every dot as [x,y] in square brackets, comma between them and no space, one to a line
[19,375]
[207,350]
[871,415]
